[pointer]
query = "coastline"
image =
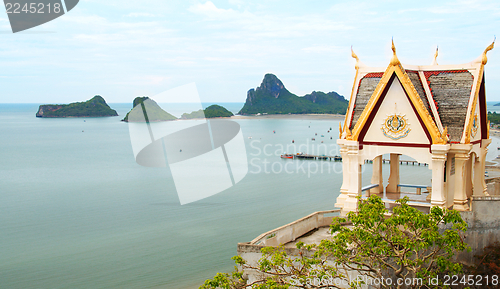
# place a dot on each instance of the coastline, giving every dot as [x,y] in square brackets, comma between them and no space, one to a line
[292,116]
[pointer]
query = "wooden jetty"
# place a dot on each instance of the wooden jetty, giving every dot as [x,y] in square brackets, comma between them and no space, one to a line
[311,157]
[339,159]
[401,162]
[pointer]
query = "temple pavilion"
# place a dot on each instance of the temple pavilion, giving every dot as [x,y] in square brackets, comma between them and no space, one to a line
[435,114]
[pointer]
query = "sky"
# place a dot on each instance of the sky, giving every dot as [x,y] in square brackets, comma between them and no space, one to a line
[121,49]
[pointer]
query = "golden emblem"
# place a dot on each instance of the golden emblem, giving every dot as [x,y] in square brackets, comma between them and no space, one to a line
[396,126]
[475,125]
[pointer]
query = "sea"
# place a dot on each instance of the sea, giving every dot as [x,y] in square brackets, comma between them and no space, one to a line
[77,211]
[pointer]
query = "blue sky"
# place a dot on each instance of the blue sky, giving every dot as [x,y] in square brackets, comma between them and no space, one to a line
[121,49]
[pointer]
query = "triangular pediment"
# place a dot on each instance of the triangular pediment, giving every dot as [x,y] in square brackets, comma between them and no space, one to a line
[396,84]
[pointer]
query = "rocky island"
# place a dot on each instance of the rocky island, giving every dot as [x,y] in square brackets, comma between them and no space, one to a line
[271,97]
[95,107]
[209,112]
[147,110]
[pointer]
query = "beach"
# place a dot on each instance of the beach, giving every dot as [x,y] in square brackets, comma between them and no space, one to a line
[292,116]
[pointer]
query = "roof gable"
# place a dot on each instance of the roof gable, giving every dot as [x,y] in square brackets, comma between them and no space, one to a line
[396,70]
[446,98]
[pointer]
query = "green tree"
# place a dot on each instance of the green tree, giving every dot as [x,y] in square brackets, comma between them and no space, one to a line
[405,245]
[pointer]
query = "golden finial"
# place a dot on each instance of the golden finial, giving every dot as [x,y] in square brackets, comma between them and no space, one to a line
[490,47]
[444,135]
[394,60]
[340,130]
[435,56]
[355,57]
[348,135]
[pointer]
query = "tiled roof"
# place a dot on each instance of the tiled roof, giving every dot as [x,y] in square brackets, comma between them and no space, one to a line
[450,92]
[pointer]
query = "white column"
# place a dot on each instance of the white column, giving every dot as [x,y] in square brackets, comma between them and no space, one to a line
[377,176]
[478,181]
[354,172]
[345,175]
[482,160]
[460,202]
[392,187]
[438,197]
[469,168]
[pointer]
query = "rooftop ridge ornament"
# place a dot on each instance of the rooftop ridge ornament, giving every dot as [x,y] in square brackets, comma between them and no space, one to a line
[355,57]
[394,60]
[435,56]
[490,47]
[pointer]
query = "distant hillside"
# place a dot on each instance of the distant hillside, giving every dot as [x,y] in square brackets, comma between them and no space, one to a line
[153,111]
[95,107]
[272,97]
[498,104]
[210,112]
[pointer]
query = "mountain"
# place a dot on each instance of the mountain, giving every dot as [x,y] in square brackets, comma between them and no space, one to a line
[153,111]
[209,112]
[272,97]
[95,107]
[498,104]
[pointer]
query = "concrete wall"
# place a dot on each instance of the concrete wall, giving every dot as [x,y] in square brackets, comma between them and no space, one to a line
[493,186]
[484,225]
[290,232]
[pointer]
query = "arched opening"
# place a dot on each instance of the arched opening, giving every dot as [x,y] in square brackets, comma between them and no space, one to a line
[394,176]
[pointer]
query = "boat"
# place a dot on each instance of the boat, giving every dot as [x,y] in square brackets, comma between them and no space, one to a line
[286,156]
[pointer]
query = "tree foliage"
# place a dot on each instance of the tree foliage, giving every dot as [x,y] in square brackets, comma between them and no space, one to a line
[404,245]
[494,117]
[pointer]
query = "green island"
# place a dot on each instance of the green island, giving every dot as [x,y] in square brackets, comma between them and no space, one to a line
[147,110]
[95,107]
[209,112]
[271,97]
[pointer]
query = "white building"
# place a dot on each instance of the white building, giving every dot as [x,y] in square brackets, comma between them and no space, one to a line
[434,113]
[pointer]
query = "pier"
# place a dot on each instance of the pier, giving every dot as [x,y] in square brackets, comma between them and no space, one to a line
[401,162]
[339,159]
[311,157]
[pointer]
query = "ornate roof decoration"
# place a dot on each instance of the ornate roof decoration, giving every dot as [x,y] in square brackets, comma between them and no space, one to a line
[435,56]
[490,47]
[394,60]
[445,97]
[396,68]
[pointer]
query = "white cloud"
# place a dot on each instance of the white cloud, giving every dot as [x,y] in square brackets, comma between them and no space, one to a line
[140,14]
[210,10]
[324,49]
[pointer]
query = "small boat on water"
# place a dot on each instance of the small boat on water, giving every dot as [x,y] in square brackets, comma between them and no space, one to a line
[287,156]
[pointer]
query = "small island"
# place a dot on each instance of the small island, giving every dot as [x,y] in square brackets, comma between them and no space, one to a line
[271,97]
[95,107]
[147,110]
[210,112]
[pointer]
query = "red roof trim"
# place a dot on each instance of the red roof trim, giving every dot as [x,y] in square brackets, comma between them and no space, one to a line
[373,75]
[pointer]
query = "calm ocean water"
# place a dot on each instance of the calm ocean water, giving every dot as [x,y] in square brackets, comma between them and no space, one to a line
[76,211]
